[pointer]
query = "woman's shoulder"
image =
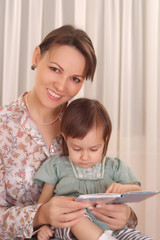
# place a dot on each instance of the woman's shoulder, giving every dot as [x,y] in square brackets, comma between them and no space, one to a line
[12,109]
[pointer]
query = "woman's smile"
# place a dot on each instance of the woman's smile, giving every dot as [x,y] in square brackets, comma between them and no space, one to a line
[53,95]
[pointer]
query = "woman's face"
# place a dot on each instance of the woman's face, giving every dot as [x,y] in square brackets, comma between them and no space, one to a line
[59,75]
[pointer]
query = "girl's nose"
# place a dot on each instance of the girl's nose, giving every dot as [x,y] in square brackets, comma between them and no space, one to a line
[84,155]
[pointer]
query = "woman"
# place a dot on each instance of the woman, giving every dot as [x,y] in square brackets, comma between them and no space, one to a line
[30,133]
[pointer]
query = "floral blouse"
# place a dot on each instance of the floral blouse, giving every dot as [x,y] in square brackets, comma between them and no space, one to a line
[22,151]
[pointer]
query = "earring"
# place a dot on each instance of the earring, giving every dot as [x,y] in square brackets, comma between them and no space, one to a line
[33,67]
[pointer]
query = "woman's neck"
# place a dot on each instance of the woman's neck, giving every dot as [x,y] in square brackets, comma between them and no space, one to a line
[39,113]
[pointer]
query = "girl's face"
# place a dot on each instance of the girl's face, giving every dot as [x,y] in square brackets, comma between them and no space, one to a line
[59,75]
[88,151]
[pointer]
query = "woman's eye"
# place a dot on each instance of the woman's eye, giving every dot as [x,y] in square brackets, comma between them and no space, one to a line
[54,69]
[75,79]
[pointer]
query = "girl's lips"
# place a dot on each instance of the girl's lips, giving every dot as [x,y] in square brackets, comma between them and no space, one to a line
[84,165]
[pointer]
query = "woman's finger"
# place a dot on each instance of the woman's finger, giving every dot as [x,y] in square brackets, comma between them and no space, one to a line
[114,215]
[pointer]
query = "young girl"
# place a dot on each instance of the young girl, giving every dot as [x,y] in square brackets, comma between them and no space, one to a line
[86,129]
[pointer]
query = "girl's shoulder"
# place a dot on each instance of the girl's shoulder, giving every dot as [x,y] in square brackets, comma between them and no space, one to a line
[113,163]
[56,160]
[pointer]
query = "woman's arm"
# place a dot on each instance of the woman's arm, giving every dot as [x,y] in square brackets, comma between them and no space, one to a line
[133,220]
[60,212]
[116,216]
[15,221]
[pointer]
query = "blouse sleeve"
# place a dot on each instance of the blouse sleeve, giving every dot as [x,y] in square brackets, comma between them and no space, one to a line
[123,174]
[15,221]
[47,173]
[132,221]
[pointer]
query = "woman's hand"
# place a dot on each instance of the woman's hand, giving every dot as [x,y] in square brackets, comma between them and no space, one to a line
[114,215]
[59,212]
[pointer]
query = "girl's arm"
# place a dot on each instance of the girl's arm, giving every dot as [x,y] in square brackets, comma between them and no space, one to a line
[122,188]
[47,193]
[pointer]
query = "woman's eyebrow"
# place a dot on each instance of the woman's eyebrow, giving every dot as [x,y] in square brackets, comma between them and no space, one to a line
[76,75]
[58,65]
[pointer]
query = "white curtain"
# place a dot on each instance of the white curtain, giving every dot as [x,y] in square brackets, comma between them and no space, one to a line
[126,36]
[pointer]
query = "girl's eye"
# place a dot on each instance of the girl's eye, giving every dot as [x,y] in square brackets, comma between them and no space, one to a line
[75,79]
[94,149]
[54,69]
[76,149]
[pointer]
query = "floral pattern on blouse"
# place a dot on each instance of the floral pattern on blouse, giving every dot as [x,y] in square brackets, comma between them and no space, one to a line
[22,151]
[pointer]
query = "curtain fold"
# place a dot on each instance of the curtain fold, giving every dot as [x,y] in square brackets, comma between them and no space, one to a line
[11,48]
[126,36]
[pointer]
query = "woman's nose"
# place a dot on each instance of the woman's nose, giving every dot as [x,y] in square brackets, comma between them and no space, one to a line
[61,83]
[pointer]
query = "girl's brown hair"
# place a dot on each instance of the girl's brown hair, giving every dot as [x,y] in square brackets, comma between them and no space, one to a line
[69,35]
[81,115]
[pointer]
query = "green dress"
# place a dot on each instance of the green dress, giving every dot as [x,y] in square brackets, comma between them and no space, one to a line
[71,180]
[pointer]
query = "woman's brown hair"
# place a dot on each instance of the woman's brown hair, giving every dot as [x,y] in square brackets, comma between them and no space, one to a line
[71,36]
[81,116]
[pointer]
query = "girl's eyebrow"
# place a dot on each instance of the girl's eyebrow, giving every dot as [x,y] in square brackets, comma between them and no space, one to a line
[94,146]
[98,145]
[74,145]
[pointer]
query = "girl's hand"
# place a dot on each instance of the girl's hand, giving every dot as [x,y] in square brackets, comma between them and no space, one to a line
[114,215]
[44,233]
[122,188]
[60,212]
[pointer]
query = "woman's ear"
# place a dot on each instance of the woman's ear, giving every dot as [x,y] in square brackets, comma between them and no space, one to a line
[36,56]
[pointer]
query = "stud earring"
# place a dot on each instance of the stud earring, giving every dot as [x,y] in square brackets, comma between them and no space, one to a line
[33,67]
